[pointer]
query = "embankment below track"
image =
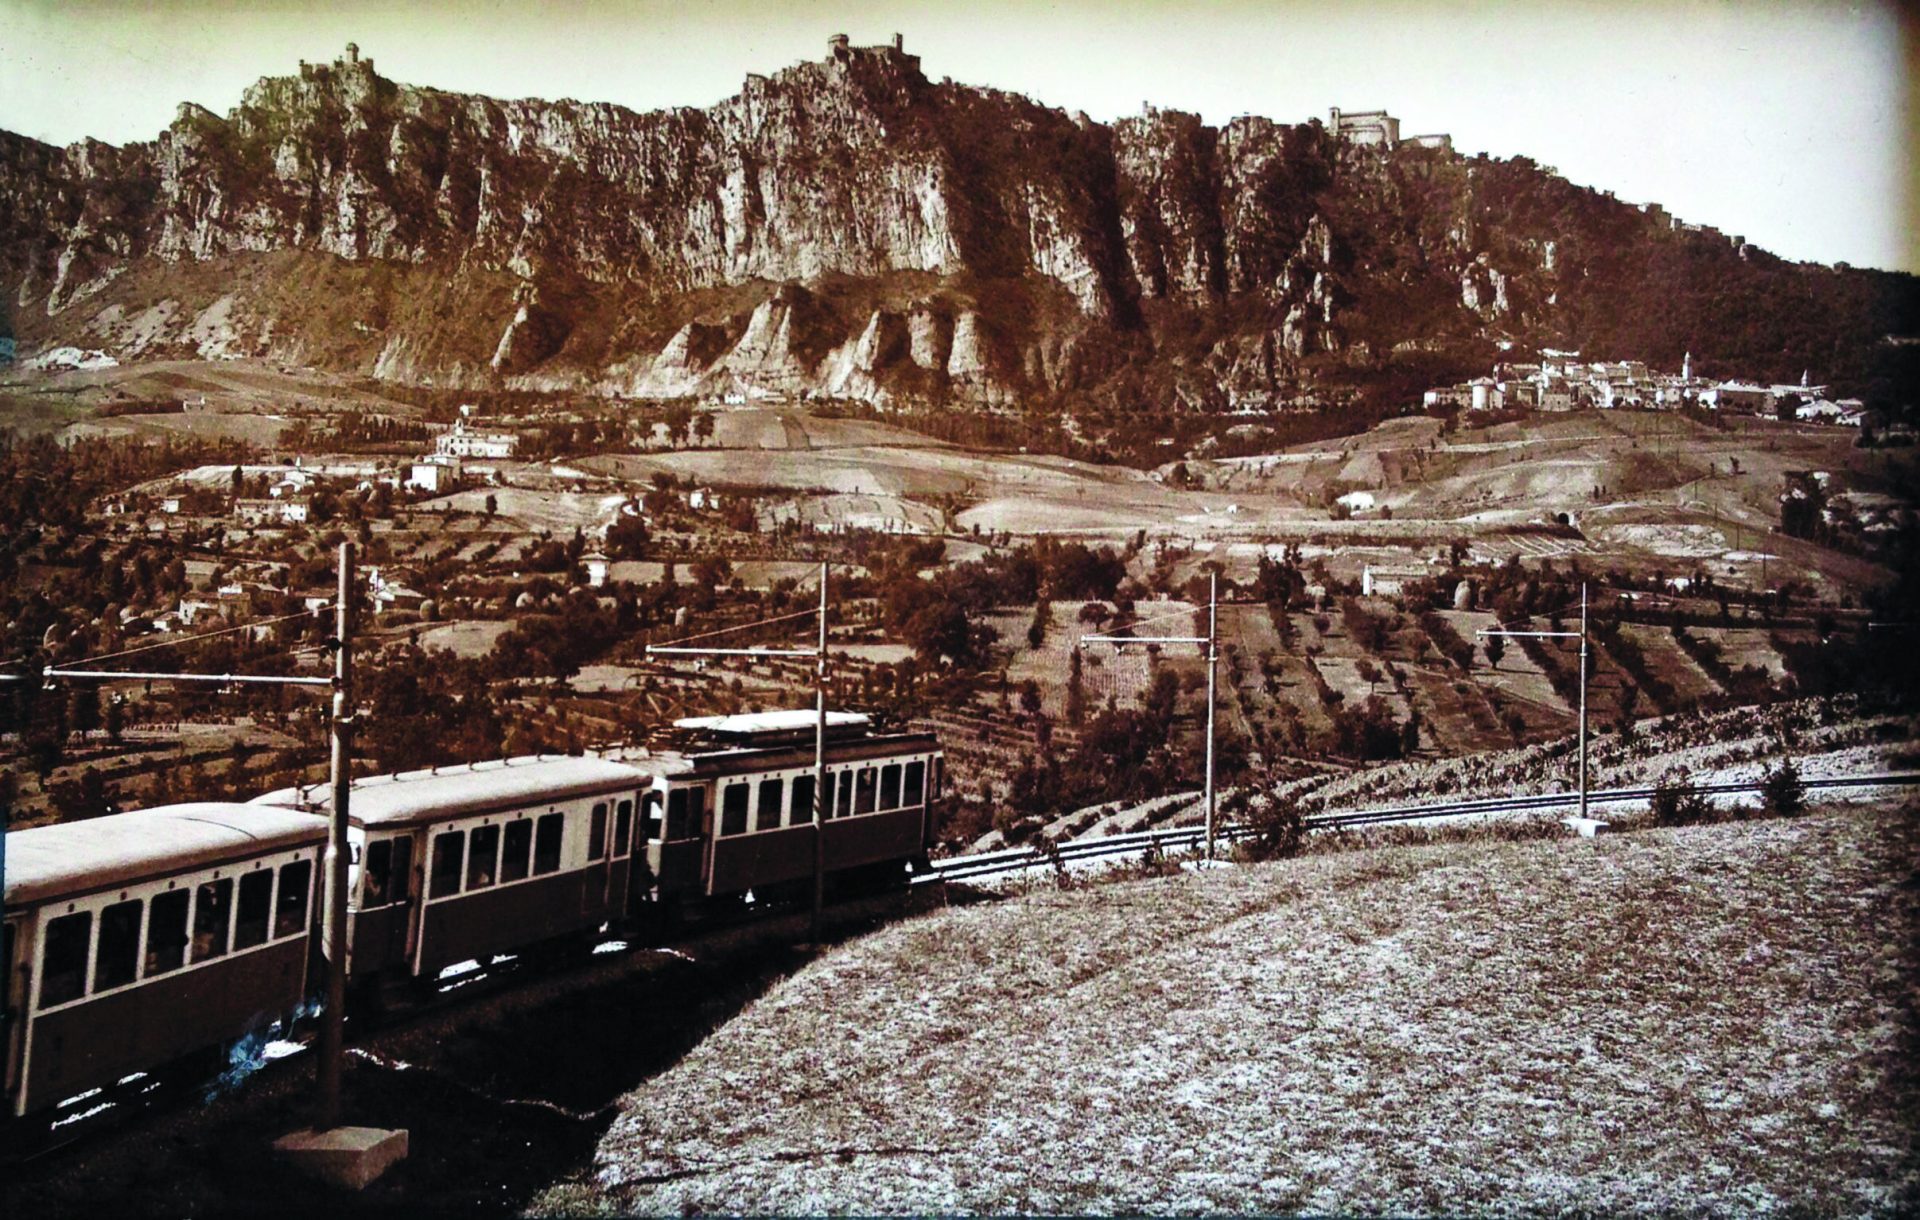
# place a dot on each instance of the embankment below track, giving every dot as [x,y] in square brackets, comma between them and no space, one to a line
[1712,1019]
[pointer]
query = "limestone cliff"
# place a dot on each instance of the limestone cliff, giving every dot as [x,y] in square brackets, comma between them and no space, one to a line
[848,227]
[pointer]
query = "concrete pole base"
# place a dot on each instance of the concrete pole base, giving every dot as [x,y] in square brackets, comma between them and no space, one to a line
[1586,828]
[347,1157]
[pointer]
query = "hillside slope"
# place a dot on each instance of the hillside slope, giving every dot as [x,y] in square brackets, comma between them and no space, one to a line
[1705,1020]
[850,227]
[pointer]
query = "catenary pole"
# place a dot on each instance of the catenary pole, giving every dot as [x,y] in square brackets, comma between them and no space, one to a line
[821,670]
[1565,635]
[820,768]
[334,937]
[1583,699]
[1213,665]
[1209,639]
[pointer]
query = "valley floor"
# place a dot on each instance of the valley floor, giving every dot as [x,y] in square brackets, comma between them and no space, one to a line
[1707,1020]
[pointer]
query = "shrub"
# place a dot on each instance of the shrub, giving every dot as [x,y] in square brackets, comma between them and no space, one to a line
[1677,802]
[1782,794]
[1278,829]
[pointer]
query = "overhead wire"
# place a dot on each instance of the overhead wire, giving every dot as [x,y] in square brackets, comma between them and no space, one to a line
[193,639]
[765,622]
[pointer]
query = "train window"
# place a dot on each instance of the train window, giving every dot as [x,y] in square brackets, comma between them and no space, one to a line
[516,844]
[651,805]
[377,876]
[863,791]
[622,827]
[256,908]
[167,932]
[597,832]
[916,782]
[63,974]
[296,883]
[119,961]
[844,805]
[483,855]
[890,786]
[212,915]
[800,811]
[696,812]
[767,812]
[733,809]
[447,849]
[546,844]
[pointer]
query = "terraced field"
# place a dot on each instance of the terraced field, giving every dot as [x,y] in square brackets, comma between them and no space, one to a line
[1690,683]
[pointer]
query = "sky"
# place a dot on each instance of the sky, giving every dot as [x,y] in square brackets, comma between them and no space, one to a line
[1791,121]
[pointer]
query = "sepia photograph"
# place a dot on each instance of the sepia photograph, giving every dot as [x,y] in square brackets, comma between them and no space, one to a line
[987,607]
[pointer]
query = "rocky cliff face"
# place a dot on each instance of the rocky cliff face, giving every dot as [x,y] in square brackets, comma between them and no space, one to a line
[849,228]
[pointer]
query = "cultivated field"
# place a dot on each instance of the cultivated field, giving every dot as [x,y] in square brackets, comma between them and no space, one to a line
[1553,1026]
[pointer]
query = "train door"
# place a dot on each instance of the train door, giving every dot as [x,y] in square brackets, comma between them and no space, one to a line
[13,1004]
[593,892]
[383,931]
[620,859]
[683,835]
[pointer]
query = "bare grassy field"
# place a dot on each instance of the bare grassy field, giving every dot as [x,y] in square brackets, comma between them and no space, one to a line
[469,639]
[1706,1021]
[1744,646]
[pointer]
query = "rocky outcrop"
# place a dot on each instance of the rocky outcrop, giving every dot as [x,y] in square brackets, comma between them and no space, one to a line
[845,227]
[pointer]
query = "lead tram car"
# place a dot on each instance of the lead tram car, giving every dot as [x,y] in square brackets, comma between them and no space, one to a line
[736,816]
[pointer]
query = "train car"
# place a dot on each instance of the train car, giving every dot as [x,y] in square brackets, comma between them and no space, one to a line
[134,940]
[737,815]
[460,862]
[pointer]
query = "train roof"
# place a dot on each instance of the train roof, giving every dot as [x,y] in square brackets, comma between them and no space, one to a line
[754,724]
[470,788]
[99,853]
[730,758]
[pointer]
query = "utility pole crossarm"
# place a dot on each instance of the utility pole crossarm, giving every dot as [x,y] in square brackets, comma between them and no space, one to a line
[658,650]
[1143,639]
[159,676]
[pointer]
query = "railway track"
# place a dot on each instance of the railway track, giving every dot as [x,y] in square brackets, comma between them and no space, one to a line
[1018,859]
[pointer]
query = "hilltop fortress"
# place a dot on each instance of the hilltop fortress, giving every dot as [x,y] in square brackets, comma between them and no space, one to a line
[1377,127]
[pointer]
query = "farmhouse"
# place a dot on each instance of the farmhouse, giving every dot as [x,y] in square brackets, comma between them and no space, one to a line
[267,512]
[462,442]
[1388,580]
[435,474]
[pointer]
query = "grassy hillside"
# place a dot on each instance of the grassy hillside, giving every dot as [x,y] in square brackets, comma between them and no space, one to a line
[1710,1019]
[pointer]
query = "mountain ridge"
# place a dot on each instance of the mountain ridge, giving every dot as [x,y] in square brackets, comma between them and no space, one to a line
[848,227]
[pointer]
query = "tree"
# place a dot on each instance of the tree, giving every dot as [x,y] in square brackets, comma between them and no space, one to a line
[1030,697]
[115,719]
[83,710]
[941,629]
[1037,629]
[1496,647]
[679,420]
[1076,692]
[493,504]
[627,537]
[1782,793]
[703,426]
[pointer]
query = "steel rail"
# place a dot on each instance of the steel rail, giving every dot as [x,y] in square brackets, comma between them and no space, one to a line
[1018,859]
